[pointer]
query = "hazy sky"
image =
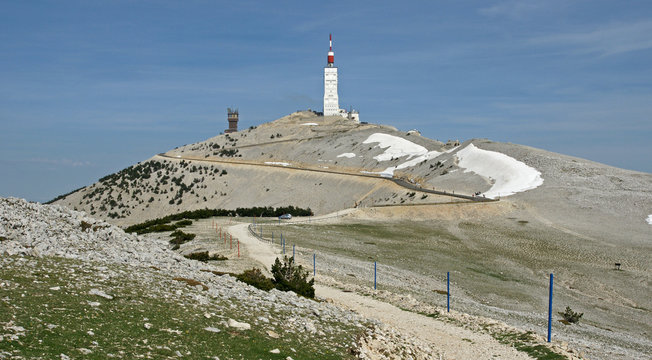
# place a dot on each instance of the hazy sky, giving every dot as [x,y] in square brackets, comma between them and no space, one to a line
[90,87]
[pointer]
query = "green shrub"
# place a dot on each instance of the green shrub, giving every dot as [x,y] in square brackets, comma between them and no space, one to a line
[161,224]
[571,316]
[255,278]
[204,257]
[85,226]
[291,277]
[179,237]
[183,223]
[162,228]
[63,196]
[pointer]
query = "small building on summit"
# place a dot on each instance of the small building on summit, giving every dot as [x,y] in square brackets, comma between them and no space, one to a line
[233,120]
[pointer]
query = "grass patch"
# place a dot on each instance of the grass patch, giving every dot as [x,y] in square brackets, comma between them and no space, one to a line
[525,342]
[492,274]
[431,315]
[49,298]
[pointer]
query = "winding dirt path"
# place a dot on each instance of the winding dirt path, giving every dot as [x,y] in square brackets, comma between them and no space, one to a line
[399,182]
[453,341]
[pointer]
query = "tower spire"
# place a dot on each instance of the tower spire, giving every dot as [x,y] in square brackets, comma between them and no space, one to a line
[331,54]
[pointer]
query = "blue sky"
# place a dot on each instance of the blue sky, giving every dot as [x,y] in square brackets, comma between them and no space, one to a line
[88,88]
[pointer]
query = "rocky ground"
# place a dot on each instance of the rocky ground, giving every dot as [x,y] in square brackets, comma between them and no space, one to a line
[86,266]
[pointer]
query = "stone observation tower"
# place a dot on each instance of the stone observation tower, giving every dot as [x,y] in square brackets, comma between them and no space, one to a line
[331,102]
[233,120]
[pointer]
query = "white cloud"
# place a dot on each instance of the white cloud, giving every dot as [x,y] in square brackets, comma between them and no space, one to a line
[513,9]
[61,162]
[609,40]
[596,112]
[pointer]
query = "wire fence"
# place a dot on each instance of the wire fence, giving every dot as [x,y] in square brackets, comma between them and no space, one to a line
[258,232]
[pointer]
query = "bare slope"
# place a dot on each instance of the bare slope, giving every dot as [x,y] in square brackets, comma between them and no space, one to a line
[247,169]
[302,159]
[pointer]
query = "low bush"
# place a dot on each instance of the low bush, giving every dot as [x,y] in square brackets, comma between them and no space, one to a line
[179,237]
[85,226]
[204,257]
[162,224]
[287,277]
[183,223]
[63,196]
[255,278]
[160,228]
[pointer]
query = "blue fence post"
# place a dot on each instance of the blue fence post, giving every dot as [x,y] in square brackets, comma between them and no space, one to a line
[448,291]
[272,237]
[314,265]
[550,308]
[293,251]
[374,275]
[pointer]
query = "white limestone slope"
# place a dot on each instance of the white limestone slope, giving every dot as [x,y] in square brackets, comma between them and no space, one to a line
[508,175]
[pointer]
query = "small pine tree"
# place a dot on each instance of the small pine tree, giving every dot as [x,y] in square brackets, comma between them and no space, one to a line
[291,277]
[571,316]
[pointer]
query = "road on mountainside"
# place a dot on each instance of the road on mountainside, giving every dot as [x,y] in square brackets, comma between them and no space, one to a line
[453,341]
[398,182]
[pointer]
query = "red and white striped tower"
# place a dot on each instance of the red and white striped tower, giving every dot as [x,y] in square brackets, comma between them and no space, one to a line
[331,102]
[331,54]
